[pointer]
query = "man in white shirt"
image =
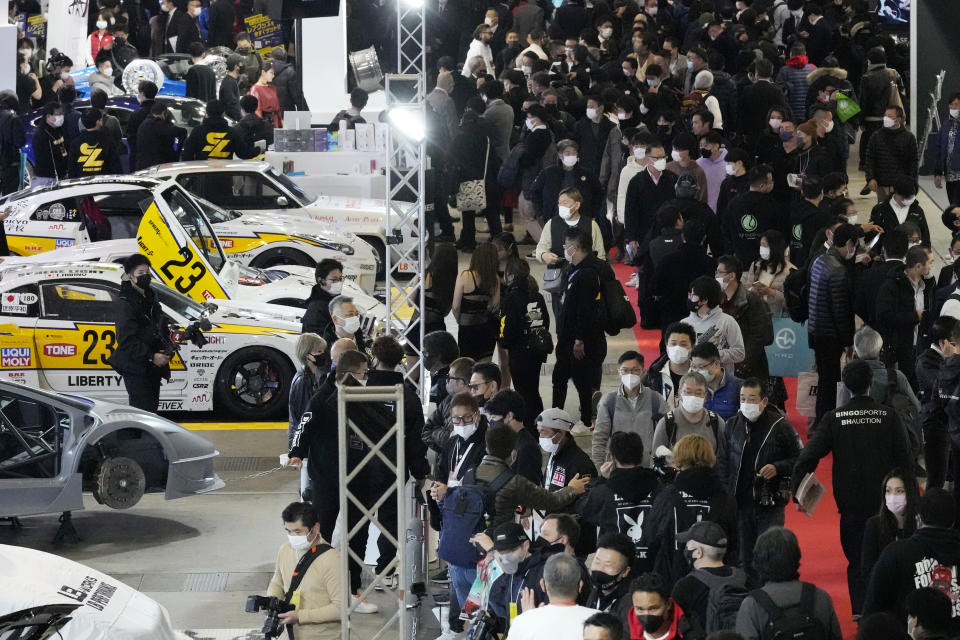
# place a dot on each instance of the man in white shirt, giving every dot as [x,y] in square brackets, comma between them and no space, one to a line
[480,47]
[562,618]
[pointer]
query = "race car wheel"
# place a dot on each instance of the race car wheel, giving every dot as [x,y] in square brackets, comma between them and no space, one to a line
[120,483]
[254,384]
[277,257]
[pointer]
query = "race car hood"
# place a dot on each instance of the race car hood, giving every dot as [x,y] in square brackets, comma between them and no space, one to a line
[260,314]
[365,209]
[279,222]
[109,609]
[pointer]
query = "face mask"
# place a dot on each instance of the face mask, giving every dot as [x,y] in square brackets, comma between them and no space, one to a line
[628,73]
[548,445]
[621,116]
[530,125]
[909,201]
[605,581]
[728,168]
[775,123]
[852,219]
[28,53]
[101,24]
[606,32]
[592,113]
[197,11]
[488,22]
[677,354]
[65,75]
[568,255]
[897,503]
[564,212]
[722,282]
[706,153]
[829,127]
[691,404]
[299,543]
[650,622]
[675,155]
[630,380]
[652,11]
[764,253]
[954,113]
[25,68]
[644,110]
[911,245]
[660,164]
[688,556]
[526,70]
[569,161]
[888,122]
[750,411]
[464,431]
[689,65]
[351,324]
[165,8]
[693,305]
[509,562]
[640,153]
[107,71]
[786,136]
[335,288]
[652,82]
[143,281]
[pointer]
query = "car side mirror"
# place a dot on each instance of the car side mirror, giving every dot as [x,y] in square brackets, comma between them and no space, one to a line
[282,201]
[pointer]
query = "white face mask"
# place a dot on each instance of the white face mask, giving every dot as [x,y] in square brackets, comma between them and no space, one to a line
[57,121]
[28,53]
[888,122]
[628,72]
[606,32]
[197,11]
[764,253]
[592,113]
[853,219]
[640,153]
[488,22]
[691,404]
[299,543]
[548,445]
[351,324]
[722,281]
[530,125]
[677,354]
[564,212]
[101,24]
[750,411]
[335,288]
[689,64]
[526,70]
[954,113]
[569,161]
[64,75]
[644,110]
[660,164]
[568,255]
[464,431]
[675,155]
[909,201]
[630,380]
[911,245]
[621,115]
[775,123]
[728,168]
[107,71]
[829,127]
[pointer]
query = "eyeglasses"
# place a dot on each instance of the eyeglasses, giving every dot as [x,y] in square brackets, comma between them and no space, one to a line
[334,280]
[463,380]
[476,386]
[635,370]
[358,374]
[461,420]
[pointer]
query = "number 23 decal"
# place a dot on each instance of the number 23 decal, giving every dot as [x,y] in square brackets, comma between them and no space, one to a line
[186,282]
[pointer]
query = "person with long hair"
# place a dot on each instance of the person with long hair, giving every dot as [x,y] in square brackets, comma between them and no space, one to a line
[897,518]
[266,95]
[439,282]
[506,245]
[519,360]
[476,296]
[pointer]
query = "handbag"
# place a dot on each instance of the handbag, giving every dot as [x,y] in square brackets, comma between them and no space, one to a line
[554,277]
[472,194]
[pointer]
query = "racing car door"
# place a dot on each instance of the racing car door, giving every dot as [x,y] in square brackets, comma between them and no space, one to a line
[19,310]
[54,225]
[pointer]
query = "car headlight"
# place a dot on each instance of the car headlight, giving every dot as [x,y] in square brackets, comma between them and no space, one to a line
[343,248]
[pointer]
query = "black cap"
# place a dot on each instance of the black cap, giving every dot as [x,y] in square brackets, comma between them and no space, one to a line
[704,532]
[508,535]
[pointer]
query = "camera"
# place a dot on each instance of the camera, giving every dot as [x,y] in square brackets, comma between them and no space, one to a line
[192,333]
[274,607]
[772,493]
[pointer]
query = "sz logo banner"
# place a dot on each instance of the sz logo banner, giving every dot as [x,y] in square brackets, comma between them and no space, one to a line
[217,142]
[90,158]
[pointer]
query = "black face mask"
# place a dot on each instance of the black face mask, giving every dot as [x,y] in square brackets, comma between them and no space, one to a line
[429,361]
[706,153]
[688,556]
[143,281]
[605,581]
[693,306]
[650,622]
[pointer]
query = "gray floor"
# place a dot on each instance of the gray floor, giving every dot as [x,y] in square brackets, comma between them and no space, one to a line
[201,556]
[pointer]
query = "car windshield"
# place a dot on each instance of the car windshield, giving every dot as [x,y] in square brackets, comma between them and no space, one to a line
[215,214]
[187,113]
[196,226]
[305,196]
[177,302]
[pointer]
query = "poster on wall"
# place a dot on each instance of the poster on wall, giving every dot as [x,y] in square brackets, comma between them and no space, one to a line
[35,28]
[68,32]
[264,32]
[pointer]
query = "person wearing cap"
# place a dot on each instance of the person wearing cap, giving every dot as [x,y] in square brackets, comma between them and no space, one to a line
[776,557]
[512,549]
[736,165]
[93,152]
[507,407]
[566,459]
[654,614]
[215,139]
[747,216]
[561,618]
[229,92]
[761,449]
[705,545]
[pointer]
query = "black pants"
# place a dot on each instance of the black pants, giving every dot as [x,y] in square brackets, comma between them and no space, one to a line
[9,178]
[752,520]
[851,539]
[826,354]
[468,230]
[936,453]
[953,192]
[869,128]
[586,375]
[525,373]
[143,391]
[955,470]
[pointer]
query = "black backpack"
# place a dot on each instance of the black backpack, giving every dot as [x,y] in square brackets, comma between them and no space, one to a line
[724,600]
[904,408]
[615,310]
[796,294]
[793,623]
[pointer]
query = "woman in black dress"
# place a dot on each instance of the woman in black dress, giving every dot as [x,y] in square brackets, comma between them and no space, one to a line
[476,298]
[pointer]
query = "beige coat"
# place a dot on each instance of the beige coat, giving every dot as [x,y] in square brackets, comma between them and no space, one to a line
[775,301]
[320,593]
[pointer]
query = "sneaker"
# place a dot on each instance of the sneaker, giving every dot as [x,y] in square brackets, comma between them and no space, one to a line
[449,634]
[634,280]
[441,598]
[365,607]
[580,429]
[865,191]
[441,578]
[446,237]
[389,582]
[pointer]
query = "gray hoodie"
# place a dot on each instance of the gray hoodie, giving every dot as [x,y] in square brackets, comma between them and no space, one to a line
[722,330]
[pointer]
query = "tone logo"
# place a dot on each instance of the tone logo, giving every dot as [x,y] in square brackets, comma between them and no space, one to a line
[59,350]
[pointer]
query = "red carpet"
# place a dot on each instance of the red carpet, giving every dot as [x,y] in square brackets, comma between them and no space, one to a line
[823,562]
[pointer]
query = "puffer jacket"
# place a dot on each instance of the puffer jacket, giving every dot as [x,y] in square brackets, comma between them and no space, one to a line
[753,316]
[875,91]
[519,492]
[891,153]
[780,446]
[793,76]
[831,304]
[725,91]
[618,413]
[659,379]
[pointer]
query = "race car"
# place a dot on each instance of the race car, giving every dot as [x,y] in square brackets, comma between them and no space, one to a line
[83,210]
[55,446]
[257,186]
[57,332]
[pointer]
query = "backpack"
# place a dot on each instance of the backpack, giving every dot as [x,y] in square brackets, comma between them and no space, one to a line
[670,425]
[464,512]
[724,600]
[904,408]
[616,312]
[796,294]
[793,623]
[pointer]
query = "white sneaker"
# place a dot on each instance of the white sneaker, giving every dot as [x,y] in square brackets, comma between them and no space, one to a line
[365,607]
[580,429]
[632,282]
[449,634]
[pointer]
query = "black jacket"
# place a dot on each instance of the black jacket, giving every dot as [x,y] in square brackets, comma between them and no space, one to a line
[535,573]
[520,311]
[932,416]
[201,82]
[184,28]
[156,139]
[316,318]
[948,390]
[806,219]
[220,17]
[696,494]
[779,445]
[930,557]
[730,188]
[142,330]
[868,287]
[830,306]
[883,215]
[437,427]
[875,91]
[49,151]
[214,139]
[755,104]
[579,319]
[592,139]
[529,462]
[896,313]
[644,199]
[93,153]
[288,87]
[891,153]
[460,456]
[867,441]
[133,124]
[12,137]
[252,128]
[570,460]
[229,94]
[553,180]
[671,280]
[747,217]
[415,451]
[693,209]
[621,505]
[753,316]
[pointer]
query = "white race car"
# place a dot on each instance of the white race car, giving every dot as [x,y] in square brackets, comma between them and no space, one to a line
[77,212]
[257,186]
[57,332]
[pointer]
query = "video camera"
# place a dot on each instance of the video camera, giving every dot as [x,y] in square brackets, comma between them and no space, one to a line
[193,333]
[272,627]
[773,492]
